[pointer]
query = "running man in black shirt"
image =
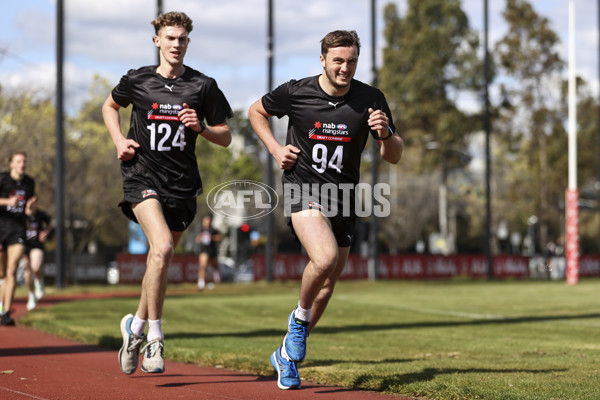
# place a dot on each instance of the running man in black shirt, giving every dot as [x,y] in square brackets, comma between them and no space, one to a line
[16,190]
[330,118]
[209,255]
[159,167]
[38,231]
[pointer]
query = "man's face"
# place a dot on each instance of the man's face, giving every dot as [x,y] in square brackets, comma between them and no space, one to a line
[340,65]
[172,41]
[18,164]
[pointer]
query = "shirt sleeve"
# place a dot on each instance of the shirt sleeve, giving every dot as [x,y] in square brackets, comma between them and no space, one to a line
[277,102]
[121,92]
[215,107]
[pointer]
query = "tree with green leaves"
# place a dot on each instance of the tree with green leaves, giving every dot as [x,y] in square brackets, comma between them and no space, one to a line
[430,57]
[529,134]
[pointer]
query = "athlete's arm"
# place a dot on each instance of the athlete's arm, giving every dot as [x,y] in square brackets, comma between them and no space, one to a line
[218,134]
[286,156]
[30,205]
[391,145]
[110,113]
[11,201]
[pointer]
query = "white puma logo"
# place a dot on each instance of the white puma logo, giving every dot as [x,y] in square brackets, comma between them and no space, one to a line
[169,87]
[334,104]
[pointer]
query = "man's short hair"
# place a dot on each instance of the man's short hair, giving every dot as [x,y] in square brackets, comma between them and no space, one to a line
[16,153]
[339,39]
[173,18]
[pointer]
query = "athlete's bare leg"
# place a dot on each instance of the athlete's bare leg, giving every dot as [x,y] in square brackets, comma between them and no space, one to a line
[14,253]
[36,259]
[2,275]
[214,263]
[314,232]
[203,259]
[28,272]
[2,265]
[161,243]
[326,291]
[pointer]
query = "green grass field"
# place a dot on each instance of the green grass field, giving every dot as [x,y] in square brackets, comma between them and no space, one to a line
[435,340]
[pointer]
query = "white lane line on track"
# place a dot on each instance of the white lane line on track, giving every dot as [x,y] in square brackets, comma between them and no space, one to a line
[22,393]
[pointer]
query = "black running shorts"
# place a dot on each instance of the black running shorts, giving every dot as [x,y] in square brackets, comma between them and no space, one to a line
[11,234]
[343,230]
[179,213]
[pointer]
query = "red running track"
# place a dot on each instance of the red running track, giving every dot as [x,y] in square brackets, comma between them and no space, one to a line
[35,365]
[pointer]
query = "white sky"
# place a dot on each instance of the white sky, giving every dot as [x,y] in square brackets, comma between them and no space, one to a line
[109,37]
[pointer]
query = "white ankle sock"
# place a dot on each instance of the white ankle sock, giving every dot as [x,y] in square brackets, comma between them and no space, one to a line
[154,329]
[138,326]
[302,313]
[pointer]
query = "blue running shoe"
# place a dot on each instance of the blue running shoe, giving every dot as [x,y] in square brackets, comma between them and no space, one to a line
[294,342]
[287,374]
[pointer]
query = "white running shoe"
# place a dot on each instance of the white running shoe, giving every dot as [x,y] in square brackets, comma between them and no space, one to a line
[31,302]
[38,289]
[153,361]
[129,354]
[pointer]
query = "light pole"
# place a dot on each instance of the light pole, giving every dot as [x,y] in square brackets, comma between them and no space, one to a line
[488,156]
[373,226]
[159,11]
[60,179]
[269,167]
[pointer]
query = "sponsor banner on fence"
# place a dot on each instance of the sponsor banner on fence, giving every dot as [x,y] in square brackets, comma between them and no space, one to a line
[184,268]
[291,266]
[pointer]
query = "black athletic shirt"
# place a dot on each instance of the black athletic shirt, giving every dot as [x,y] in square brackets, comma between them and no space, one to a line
[166,155]
[207,245]
[37,222]
[331,132]
[13,217]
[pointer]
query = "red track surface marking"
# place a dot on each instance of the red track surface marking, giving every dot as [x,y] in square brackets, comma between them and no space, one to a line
[35,365]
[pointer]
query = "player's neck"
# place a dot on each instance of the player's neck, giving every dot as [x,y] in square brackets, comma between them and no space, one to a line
[15,175]
[170,71]
[331,89]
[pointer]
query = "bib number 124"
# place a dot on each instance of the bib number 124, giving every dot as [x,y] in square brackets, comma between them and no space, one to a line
[163,133]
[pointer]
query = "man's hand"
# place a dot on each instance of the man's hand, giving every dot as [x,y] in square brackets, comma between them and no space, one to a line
[126,149]
[189,118]
[13,201]
[379,122]
[286,156]
[30,205]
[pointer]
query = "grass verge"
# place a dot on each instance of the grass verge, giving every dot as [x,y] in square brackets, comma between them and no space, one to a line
[436,340]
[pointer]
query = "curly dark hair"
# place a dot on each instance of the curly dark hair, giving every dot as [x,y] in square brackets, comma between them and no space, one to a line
[173,18]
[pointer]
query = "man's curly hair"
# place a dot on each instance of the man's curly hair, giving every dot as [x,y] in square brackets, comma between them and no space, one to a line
[173,18]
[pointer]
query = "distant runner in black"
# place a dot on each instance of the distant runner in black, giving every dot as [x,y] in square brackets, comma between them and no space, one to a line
[16,190]
[330,119]
[208,238]
[170,103]
[38,231]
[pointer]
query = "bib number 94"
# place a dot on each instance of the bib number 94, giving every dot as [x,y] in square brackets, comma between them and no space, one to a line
[322,161]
